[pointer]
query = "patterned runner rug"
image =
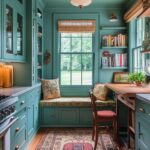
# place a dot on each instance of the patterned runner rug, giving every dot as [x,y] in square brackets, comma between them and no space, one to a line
[56,138]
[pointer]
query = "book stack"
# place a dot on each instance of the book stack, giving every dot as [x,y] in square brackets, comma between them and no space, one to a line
[115,60]
[114,41]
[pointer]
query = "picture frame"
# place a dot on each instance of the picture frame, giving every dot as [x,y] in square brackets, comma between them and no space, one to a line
[121,77]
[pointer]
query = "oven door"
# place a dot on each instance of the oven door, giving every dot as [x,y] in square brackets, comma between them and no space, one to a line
[5,133]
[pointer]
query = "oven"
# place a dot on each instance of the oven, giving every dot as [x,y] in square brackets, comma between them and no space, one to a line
[7,119]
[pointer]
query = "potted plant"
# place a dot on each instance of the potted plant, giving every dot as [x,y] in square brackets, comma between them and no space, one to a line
[137,78]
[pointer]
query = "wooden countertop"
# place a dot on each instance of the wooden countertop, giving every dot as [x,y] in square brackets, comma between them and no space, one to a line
[129,88]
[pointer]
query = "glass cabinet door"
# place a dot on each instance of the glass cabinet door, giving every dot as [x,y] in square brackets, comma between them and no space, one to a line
[9,29]
[19,34]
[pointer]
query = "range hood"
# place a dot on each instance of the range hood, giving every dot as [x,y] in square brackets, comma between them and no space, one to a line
[141,8]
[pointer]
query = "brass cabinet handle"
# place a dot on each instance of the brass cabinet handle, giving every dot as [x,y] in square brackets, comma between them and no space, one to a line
[17,129]
[17,147]
[141,110]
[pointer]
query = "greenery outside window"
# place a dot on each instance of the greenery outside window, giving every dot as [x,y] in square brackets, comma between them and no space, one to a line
[76,59]
[138,57]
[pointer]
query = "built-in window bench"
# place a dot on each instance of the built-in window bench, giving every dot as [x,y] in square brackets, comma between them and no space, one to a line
[70,111]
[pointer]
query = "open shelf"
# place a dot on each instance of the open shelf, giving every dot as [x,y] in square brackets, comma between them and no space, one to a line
[146,51]
[121,47]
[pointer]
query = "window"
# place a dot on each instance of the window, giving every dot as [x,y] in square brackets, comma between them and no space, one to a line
[76,59]
[138,57]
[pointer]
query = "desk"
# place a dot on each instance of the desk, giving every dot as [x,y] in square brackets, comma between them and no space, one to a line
[125,93]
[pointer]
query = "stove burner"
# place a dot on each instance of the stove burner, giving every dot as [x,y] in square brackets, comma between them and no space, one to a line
[2,97]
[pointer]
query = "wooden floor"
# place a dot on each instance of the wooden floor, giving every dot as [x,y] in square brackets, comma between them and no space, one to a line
[39,135]
[36,139]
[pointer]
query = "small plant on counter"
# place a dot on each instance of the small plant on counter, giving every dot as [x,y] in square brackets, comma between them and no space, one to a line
[137,78]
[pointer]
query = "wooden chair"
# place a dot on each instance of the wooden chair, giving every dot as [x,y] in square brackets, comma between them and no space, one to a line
[102,116]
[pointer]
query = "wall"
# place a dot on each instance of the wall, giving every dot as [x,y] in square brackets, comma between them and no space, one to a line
[50,38]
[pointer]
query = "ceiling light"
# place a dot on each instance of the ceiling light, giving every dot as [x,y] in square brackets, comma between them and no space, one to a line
[80,3]
[113,18]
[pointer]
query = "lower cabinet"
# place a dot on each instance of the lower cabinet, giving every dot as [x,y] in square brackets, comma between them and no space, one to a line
[142,125]
[65,116]
[18,131]
[27,124]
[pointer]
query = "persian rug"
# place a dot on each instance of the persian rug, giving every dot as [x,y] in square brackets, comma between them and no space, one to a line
[59,138]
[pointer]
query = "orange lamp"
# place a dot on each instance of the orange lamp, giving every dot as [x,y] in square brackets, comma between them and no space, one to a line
[1,75]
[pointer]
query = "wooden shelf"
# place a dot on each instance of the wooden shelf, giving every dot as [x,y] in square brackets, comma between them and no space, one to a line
[114,68]
[113,28]
[121,47]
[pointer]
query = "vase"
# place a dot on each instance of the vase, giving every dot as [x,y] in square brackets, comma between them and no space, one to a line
[138,83]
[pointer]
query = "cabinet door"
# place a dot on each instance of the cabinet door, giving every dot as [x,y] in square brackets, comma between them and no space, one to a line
[69,116]
[14,30]
[36,116]
[86,116]
[143,134]
[30,120]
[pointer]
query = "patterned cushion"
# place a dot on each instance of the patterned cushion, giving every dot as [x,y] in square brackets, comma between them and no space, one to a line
[100,91]
[50,89]
[76,102]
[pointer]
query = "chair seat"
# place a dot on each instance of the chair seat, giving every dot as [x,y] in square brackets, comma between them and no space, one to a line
[106,114]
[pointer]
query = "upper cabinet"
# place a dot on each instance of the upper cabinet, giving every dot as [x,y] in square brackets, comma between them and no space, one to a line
[14,30]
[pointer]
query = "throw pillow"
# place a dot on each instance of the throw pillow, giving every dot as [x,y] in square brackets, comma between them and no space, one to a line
[50,89]
[100,91]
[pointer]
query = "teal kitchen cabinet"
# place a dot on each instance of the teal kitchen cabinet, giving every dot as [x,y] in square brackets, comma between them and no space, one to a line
[143,122]
[32,98]
[14,27]
[0,29]
[18,131]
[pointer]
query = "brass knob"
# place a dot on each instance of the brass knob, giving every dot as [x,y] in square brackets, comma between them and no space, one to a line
[17,129]
[141,110]
[17,147]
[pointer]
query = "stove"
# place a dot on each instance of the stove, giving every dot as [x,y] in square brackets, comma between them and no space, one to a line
[7,107]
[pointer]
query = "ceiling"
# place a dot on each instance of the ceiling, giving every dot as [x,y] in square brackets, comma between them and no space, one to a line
[95,3]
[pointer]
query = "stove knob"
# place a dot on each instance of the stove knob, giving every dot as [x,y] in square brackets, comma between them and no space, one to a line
[12,108]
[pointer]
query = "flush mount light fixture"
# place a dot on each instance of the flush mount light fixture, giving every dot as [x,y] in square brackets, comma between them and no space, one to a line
[80,3]
[113,18]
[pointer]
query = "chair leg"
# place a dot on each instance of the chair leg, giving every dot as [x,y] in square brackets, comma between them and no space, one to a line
[93,131]
[115,130]
[96,138]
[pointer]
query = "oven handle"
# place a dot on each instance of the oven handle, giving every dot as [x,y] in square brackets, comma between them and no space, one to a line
[12,121]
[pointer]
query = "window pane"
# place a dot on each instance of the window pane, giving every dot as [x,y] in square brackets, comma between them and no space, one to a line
[76,69]
[86,34]
[76,44]
[86,44]
[65,44]
[76,35]
[65,69]
[65,77]
[76,62]
[76,77]
[87,69]
[65,35]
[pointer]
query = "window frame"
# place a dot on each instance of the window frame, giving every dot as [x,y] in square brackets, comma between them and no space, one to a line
[92,53]
[138,49]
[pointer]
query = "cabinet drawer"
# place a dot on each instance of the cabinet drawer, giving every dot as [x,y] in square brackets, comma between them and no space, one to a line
[21,103]
[18,125]
[143,109]
[19,143]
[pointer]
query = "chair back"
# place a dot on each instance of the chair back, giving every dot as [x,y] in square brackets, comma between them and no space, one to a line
[93,104]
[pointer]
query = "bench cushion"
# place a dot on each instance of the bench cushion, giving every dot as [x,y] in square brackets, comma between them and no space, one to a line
[75,101]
